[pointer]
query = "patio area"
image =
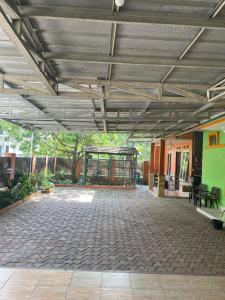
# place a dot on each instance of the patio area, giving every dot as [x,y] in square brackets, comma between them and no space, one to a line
[102,230]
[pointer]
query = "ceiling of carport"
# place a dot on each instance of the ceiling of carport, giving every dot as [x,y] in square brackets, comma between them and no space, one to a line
[85,65]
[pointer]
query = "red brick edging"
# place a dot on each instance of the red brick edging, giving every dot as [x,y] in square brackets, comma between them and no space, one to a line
[14,205]
[109,187]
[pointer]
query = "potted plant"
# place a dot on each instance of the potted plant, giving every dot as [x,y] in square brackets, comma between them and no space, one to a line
[43,181]
[46,187]
[218,223]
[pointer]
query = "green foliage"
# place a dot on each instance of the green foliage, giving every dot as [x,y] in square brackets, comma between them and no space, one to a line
[6,199]
[64,144]
[23,188]
[43,180]
[18,189]
[64,181]
[59,176]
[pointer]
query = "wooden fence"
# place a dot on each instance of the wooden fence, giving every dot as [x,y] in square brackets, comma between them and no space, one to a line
[4,170]
[35,164]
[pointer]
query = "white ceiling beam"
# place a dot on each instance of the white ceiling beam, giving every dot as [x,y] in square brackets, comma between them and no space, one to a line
[217,9]
[26,84]
[21,46]
[136,84]
[9,9]
[217,97]
[21,91]
[135,60]
[213,14]
[86,96]
[136,17]
[185,93]
[129,89]
[147,119]
[86,90]
[112,44]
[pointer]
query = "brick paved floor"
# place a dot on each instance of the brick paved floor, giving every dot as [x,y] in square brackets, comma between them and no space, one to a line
[111,230]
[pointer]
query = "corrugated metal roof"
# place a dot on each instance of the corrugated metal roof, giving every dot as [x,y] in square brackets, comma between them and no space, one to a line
[109,69]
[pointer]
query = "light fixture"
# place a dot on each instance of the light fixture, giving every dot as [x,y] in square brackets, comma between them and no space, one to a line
[119,3]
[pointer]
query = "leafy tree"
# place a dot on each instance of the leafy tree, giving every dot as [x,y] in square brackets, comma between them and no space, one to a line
[68,144]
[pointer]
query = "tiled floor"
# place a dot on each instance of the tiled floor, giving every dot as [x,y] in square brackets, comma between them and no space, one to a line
[24,284]
[101,230]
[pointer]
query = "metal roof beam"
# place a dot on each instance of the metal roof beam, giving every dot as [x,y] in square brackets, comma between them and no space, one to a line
[149,120]
[136,84]
[114,98]
[137,17]
[135,60]
[185,93]
[129,89]
[9,9]
[213,14]
[22,47]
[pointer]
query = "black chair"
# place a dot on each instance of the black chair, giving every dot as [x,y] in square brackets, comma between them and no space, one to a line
[202,191]
[192,193]
[212,197]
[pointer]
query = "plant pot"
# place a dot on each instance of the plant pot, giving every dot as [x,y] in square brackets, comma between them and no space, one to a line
[46,191]
[217,224]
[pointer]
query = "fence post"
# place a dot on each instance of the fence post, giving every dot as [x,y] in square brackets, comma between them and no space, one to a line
[12,157]
[54,165]
[46,163]
[33,166]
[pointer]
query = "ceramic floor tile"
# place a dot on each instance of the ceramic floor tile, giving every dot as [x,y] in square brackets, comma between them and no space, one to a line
[139,294]
[5,275]
[26,277]
[218,281]
[210,295]
[180,295]
[199,283]
[116,294]
[56,278]
[49,293]
[86,280]
[83,294]
[116,280]
[145,281]
[175,282]
[16,292]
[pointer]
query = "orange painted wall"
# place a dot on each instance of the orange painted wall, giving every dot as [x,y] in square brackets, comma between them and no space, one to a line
[157,158]
[145,171]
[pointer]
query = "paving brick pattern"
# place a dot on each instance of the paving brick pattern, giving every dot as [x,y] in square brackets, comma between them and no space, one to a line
[111,230]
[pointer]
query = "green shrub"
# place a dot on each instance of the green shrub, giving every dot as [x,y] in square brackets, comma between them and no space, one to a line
[23,188]
[19,188]
[65,181]
[59,176]
[6,199]
[43,180]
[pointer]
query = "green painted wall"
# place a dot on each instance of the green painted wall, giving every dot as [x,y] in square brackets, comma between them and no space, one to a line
[213,166]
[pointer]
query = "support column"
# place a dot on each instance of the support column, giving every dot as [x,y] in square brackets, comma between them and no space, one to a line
[151,167]
[85,168]
[33,165]
[161,175]
[12,157]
